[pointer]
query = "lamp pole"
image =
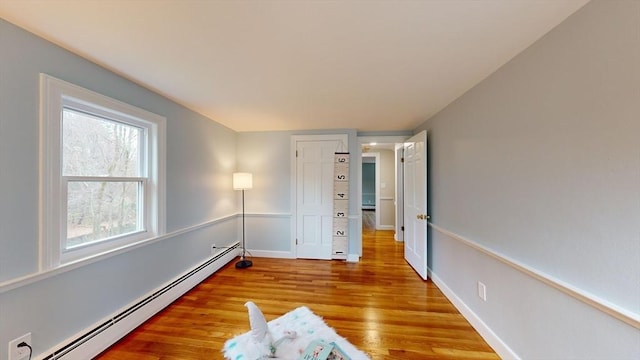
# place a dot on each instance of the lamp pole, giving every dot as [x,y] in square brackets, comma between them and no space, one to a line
[243,181]
[243,263]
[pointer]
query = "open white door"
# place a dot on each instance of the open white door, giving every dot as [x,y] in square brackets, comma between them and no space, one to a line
[314,167]
[415,203]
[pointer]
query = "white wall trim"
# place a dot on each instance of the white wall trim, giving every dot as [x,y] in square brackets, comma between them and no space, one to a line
[385,227]
[277,254]
[353,258]
[399,194]
[603,305]
[268,215]
[502,349]
[271,254]
[35,277]
[109,336]
[56,95]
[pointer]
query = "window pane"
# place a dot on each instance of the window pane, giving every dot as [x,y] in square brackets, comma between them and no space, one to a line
[95,146]
[100,210]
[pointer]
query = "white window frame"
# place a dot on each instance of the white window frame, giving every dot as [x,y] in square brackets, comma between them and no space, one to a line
[56,94]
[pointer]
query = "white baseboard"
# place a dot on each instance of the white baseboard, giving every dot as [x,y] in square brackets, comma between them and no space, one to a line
[289,255]
[385,227]
[271,254]
[618,312]
[354,258]
[98,337]
[502,349]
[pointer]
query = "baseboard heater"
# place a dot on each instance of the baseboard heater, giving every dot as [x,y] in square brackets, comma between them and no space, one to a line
[92,342]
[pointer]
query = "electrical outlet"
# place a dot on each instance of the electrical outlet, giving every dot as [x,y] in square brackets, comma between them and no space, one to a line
[482,291]
[18,353]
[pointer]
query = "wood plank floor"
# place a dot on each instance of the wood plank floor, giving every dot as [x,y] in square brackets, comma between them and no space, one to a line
[379,304]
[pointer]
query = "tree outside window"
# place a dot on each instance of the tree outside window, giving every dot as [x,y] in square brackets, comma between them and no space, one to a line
[102,174]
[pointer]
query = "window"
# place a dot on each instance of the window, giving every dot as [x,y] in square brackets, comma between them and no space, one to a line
[101,174]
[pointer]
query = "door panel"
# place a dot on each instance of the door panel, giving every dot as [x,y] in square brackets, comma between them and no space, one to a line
[314,198]
[415,203]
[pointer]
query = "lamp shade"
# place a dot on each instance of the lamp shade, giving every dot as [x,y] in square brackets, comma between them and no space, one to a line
[242,181]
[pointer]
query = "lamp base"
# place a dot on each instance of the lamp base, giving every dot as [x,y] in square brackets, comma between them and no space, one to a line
[243,264]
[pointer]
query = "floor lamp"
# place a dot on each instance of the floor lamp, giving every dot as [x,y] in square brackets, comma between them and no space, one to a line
[243,181]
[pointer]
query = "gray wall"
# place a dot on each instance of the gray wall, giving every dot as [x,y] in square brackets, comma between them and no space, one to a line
[200,160]
[268,156]
[540,163]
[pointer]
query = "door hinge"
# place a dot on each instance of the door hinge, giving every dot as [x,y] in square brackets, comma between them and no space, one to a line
[296,241]
[402,228]
[402,159]
[296,153]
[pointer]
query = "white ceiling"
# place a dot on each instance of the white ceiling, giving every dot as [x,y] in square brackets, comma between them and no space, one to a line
[291,65]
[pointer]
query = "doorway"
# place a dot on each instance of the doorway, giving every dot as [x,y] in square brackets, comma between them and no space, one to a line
[410,201]
[370,204]
[383,205]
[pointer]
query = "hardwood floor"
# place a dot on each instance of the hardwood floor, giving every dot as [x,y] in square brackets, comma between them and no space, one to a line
[379,304]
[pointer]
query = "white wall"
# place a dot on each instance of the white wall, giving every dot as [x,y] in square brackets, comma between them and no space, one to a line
[200,160]
[540,165]
[387,209]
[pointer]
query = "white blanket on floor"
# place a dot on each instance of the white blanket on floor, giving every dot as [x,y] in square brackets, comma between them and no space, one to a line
[308,327]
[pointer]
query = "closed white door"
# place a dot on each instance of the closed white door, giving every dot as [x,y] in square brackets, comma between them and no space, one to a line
[314,196]
[415,203]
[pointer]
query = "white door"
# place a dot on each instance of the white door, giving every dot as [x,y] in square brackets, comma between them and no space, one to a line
[415,203]
[314,195]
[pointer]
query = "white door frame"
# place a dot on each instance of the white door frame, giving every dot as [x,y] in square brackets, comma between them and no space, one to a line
[344,138]
[363,140]
[399,178]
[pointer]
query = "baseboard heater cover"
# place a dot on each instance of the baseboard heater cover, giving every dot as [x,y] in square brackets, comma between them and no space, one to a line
[116,327]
